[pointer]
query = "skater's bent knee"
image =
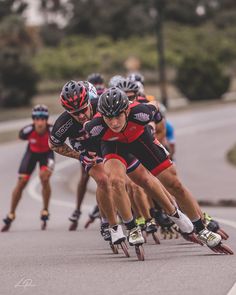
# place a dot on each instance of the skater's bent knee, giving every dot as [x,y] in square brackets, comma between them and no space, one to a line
[102,181]
[44,177]
[117,182]
[176,186]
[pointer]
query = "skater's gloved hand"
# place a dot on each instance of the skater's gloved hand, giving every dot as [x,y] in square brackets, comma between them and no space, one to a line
[88,158]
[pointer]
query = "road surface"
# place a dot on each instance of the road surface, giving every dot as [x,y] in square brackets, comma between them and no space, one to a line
[57,261]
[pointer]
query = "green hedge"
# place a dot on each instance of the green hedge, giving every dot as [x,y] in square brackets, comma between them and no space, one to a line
[78,56]
[201,78]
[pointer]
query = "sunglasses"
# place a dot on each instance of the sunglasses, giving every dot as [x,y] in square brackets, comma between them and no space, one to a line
[132,97]
[40,118]
[81,111]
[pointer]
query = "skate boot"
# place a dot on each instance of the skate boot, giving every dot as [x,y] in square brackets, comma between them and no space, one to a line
[8,221]
[169,230]
[213,241]
[74,218]
[135,236]
[136,239]
[105,232]
[117,234]
[142,224]
[214,226]
[92,216]
[151,228]
[118,238]
[44,217]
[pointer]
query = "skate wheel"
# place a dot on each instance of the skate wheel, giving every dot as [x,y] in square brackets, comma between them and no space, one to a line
[44,225]
[5,228]
[226,249]
[144,236]
[155,238]
[125,249]
[114,248]
[223,249]
[140,252]
[73,226]
[87,224]
[223,234]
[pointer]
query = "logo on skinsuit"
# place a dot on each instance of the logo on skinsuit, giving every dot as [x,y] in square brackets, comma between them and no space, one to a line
[95,131]
[64,128]
[113,138]
[142,117]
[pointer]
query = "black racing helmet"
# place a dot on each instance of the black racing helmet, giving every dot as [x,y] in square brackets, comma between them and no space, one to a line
[128,86]
[40,111]
[74,96]
[113,102]
[95,78]
[136,77]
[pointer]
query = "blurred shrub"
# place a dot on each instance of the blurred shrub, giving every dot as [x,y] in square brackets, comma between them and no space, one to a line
[77,56]
[51,35]
[201,77]
[18,78]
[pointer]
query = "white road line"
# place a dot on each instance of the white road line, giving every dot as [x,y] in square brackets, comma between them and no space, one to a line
[34,194]
[227,222]
[232,291]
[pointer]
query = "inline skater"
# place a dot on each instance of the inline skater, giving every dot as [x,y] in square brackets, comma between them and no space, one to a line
[115,80]
[38,151]
[122,128]
[161,131]
[78,110]
[98,81]
[84,177]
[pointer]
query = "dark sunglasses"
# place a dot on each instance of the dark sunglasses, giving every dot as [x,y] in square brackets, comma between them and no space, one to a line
[39,118]
[132,97]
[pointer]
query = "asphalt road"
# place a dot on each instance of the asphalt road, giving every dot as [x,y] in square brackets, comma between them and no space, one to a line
[57,261]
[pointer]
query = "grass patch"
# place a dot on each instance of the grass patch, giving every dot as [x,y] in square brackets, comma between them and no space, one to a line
[231,155]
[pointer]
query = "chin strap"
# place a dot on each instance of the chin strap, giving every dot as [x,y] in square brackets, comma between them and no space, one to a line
[126,122]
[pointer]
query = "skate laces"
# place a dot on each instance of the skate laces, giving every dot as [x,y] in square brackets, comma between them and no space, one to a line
[151,223]
[135,233]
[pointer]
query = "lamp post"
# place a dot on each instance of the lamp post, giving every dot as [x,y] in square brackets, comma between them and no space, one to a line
[160,7]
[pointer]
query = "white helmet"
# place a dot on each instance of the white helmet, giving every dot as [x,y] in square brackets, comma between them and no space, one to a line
[115,80]
[91,89]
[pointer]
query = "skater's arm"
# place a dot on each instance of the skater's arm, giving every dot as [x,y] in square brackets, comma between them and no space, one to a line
[65,150]
[25,132]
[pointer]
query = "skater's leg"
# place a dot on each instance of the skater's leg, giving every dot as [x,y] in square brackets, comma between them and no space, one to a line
[117,176]
[103,193]
[81,188]
[17,192]
[130,190]
[46,188]
[139,200]
[184,198]
[116,171]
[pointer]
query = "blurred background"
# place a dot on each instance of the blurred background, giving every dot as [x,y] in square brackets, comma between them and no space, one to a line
[186,49]
[44,43]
